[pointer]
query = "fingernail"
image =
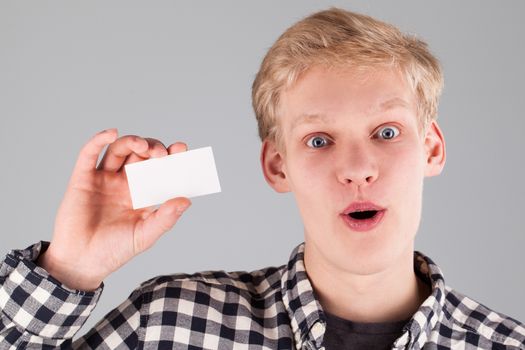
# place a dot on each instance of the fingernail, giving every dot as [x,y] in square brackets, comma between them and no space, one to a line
[182,208]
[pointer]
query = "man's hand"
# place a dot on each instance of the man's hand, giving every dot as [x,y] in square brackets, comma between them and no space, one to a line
[96,229]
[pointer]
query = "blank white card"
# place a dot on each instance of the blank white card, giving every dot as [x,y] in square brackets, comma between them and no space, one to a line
[185,174]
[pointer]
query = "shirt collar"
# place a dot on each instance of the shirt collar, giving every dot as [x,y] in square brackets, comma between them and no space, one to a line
[418,329]
[308,321]
[306,315]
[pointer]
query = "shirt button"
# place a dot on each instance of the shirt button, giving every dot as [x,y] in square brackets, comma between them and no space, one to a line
[317,329]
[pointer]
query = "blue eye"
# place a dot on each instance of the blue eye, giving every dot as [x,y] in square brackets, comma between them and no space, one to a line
[388,132]
[316,142]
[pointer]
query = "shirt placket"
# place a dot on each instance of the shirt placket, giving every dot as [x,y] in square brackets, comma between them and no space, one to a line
[315,336]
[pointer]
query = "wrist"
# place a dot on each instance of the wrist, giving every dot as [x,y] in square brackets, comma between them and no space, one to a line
[66,274]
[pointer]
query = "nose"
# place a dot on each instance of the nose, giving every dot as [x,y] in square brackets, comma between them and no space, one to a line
[357,166]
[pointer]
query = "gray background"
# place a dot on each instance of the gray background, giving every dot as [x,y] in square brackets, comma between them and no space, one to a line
[182,71]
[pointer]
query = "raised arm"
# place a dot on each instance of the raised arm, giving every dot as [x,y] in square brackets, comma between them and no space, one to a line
[47,294]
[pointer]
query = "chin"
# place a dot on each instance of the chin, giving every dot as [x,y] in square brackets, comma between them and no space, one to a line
[365,255]
[365,261]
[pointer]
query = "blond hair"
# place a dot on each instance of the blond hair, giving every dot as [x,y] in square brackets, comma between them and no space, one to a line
[340,38]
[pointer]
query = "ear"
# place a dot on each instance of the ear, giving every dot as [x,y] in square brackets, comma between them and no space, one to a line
[434,150]
[272,165]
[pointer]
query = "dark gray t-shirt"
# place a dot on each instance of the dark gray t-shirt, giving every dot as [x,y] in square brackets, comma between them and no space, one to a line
[344,334]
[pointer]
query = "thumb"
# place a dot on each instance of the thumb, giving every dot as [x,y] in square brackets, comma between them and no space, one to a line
[159,222]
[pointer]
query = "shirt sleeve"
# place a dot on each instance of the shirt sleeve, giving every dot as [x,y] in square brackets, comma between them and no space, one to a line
[120,329]
[36,310]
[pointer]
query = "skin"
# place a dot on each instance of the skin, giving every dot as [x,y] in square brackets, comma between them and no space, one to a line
[353,162]
[96,230]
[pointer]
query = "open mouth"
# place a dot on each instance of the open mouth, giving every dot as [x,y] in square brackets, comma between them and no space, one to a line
[363,220]
[363,215]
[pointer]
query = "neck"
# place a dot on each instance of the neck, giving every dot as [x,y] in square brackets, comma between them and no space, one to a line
[393,294]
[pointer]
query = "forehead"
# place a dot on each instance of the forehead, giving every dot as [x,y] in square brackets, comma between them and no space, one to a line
[386,105]
[322,94]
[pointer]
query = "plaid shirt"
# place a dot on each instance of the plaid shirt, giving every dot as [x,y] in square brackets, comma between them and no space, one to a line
[272,308]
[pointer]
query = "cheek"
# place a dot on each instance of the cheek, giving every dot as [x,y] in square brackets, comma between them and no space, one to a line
[306,173]
[405,167]
[406,175]
[308,180]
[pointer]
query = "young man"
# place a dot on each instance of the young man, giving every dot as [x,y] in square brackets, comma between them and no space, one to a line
[346,107]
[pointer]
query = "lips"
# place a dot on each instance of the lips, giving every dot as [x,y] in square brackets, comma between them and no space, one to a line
[363,216]
[362,206]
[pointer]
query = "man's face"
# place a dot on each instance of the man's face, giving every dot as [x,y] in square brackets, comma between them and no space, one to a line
[353,138]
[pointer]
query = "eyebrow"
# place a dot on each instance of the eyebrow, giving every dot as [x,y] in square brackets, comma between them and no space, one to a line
[307,118]
[311,118]
[393,102]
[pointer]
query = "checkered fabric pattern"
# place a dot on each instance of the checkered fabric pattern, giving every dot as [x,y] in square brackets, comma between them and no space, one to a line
[271,308]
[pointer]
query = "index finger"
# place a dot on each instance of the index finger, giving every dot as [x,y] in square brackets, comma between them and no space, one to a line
[121,149]
[88,156]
